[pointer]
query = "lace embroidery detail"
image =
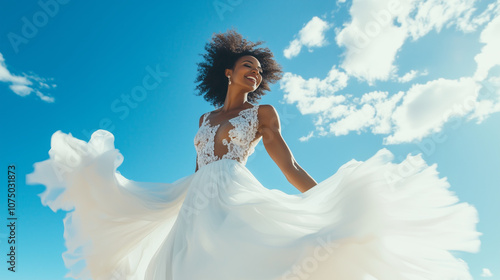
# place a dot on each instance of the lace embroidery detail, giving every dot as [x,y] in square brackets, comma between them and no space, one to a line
[241,135]
[204,142]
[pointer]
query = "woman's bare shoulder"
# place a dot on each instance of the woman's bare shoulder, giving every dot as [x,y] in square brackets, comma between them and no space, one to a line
[266,111]
[204,115]
[201,118]
[268,117]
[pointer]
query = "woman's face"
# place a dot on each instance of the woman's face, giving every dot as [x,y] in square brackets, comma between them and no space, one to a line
[247,73]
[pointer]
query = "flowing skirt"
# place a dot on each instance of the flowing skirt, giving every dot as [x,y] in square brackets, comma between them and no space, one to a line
[370,220]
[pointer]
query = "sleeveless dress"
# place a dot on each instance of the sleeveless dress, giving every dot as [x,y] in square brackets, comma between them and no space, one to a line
[370,220]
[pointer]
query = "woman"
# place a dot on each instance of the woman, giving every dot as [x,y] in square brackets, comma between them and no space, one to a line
[244,75]
[367,221]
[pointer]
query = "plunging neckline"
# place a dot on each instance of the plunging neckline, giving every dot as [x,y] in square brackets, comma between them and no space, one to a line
[241,128]
[207,121]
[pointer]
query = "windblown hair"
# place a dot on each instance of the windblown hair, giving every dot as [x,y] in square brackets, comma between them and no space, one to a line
[222,53]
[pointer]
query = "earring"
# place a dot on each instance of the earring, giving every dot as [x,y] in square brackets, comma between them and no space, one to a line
[229,78]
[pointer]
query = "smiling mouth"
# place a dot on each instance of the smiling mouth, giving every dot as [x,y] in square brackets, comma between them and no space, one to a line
[252,79]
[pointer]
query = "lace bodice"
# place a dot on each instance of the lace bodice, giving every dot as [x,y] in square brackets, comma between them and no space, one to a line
[234,139]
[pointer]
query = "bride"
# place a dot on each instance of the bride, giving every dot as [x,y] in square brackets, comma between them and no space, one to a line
[221,223]
[244,74]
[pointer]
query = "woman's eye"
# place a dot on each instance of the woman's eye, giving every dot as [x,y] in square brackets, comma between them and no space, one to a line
[247,65]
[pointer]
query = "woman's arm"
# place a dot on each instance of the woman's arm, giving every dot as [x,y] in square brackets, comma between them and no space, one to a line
[276,147]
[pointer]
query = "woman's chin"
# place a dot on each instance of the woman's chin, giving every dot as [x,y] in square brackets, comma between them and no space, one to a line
[252,89]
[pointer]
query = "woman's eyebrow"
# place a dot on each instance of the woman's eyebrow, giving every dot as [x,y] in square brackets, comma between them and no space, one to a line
[252,63]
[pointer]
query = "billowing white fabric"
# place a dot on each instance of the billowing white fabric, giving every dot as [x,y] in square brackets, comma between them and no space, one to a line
[370,220]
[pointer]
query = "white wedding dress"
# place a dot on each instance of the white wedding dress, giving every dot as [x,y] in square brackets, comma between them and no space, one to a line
[370,220]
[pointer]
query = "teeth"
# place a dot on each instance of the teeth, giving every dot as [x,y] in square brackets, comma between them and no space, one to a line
[251,78]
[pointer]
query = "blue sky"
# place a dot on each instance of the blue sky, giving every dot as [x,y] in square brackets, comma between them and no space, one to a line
[410,76]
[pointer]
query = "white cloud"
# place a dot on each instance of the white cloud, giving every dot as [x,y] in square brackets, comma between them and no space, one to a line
[490,53]
[24,85]
[487,60]
[306,138]
[355,120]
[378,30]
[436,14]
[486,273]
[21,90]
[385,107]
[314,95]
[45,97]
[372,111]
[311,35]
[469,23]
[404,117]
[6,76]
[427,107]
[410,76]
[371,40]
[424,108]
[339,114]
[489,99]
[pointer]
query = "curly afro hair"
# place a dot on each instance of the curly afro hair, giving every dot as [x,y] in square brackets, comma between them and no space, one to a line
[222,53]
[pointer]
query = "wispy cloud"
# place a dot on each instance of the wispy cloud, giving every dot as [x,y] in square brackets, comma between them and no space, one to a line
[486,273]
[311,35]
[26,84]
[305,138]
[410,76]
